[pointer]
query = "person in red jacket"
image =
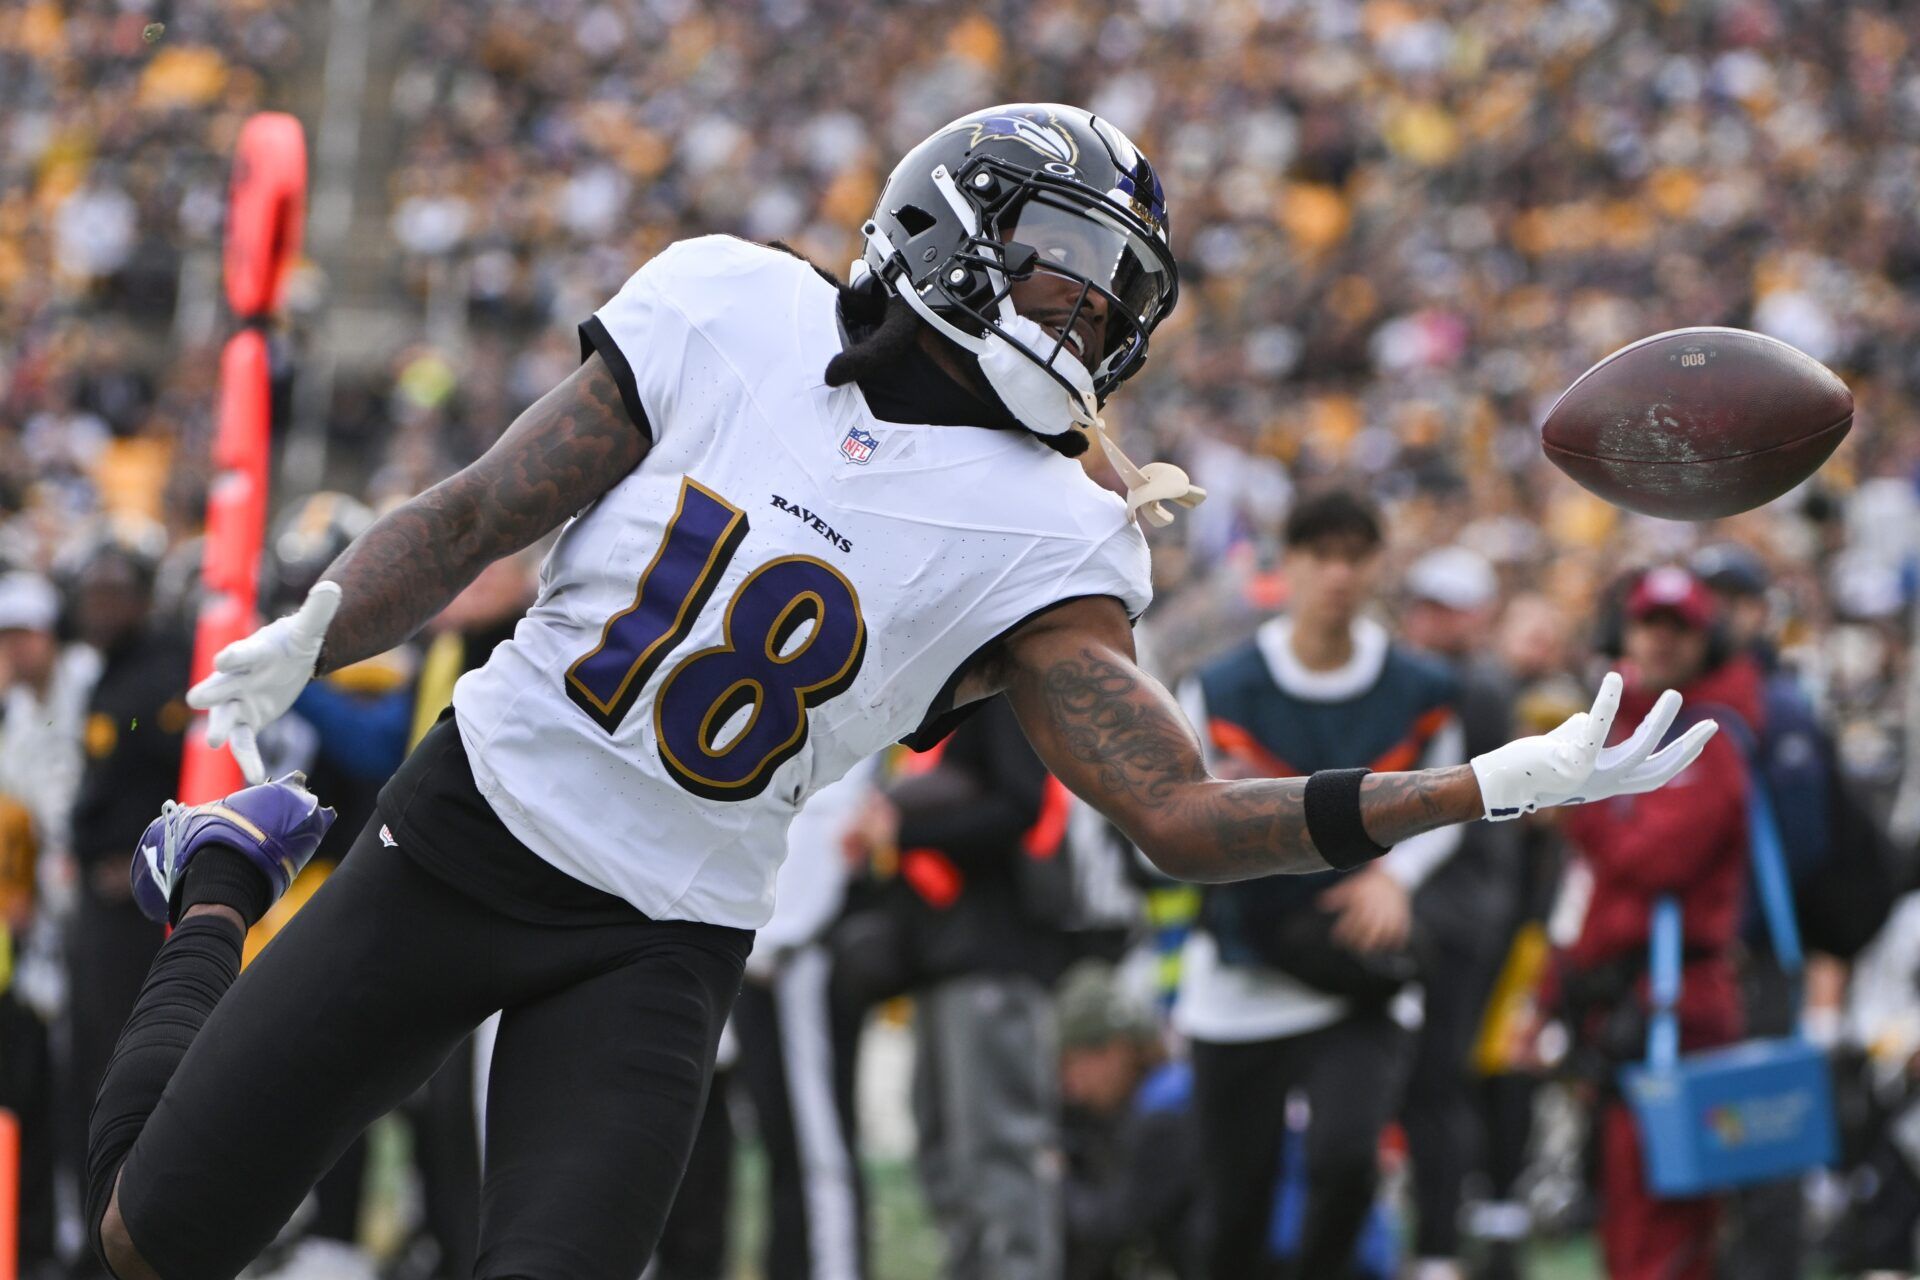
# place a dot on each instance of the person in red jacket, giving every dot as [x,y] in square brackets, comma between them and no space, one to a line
[1689,840]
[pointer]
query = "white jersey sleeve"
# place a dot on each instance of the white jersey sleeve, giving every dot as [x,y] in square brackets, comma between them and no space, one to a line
[1121,567]
[650,333]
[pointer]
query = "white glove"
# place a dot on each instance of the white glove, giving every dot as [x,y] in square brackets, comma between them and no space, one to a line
[255,680]
[1570,766]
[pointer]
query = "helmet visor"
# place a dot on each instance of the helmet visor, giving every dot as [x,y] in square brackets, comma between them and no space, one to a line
[1084,242]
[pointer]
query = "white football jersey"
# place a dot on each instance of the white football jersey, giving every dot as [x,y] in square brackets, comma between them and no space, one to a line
[784,586]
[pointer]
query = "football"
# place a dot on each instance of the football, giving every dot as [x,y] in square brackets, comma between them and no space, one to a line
[1695,424]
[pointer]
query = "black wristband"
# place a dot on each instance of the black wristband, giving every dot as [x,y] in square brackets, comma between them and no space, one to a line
[1333,818]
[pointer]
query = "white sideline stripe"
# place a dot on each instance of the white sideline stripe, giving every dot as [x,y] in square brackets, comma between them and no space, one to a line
[826,1174]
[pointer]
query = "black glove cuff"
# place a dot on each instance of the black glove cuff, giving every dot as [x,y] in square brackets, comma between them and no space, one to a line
[1333,818]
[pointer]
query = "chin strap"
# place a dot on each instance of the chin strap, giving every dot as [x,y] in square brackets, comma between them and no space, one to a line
[1047,403]
[1151,487]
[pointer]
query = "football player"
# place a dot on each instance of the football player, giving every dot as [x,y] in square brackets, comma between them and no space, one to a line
[801,522]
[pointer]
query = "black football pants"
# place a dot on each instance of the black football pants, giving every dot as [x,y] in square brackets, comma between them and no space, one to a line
[599,1075]
[1351,1075]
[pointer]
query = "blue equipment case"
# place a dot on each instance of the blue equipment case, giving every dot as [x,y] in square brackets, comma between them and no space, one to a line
[1756,1111]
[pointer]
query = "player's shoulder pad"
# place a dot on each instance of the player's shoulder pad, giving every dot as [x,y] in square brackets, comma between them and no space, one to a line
[1072,495]
[735,292]
[688,270]
[1066,502]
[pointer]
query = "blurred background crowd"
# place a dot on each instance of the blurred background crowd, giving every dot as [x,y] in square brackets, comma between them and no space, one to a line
[1403,227]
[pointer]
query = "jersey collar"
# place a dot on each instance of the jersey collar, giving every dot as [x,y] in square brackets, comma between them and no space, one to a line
[1275,641]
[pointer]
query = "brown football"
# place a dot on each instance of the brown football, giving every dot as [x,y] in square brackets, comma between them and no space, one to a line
[1694,424]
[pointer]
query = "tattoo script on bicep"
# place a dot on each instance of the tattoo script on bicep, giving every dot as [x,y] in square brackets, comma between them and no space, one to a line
[1108,723]
[1141,764]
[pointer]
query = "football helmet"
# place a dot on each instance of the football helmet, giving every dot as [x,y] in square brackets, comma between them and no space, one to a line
[305,540]
[1015,189]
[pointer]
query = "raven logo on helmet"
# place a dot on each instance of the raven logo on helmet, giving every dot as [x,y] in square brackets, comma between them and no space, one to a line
[1036,128]
[1137,186]
[999,195]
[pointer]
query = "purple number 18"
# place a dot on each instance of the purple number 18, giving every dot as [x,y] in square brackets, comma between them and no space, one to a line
[792,638]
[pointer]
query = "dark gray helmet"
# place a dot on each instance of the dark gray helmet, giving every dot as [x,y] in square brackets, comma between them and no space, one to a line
[305,540]
[1027,187]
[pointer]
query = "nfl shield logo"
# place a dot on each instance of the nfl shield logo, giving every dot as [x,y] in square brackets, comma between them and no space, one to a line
[858,446]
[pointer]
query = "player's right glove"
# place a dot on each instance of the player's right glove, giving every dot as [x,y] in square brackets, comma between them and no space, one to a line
[1573,764]
[256,679]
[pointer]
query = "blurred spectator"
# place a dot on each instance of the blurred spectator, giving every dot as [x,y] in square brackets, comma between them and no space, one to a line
[1130,1197]
[1836,861]
[1399,250]
[1467,909]
[46,697]
[1403,227]
[132,738]
[973,924]
[795,1054]
[1292,988]
[46,693]
[1689,840]
[113,175]
[1879,1230]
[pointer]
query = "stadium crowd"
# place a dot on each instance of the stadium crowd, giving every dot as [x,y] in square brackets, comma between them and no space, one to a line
[1403,226]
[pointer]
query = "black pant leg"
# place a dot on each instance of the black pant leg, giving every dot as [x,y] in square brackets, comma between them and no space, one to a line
[446,1151]
[109,948]
[594,1097]
[1442,1115]
[1508,1100]
[1354,1073]
[762,1070]
[1240,1108]
[337,1196]
[694,1244]
[347,1011]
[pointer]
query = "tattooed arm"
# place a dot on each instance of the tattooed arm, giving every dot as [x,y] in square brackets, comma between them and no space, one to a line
[1117,738]
[570,447]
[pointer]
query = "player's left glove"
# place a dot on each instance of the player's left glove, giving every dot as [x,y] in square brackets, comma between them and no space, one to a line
[255,680]
[1573,764]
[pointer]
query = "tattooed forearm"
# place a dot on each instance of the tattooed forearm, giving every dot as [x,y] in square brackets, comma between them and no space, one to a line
[1395,806]
[557,457]
[1133,748]
[1114,735]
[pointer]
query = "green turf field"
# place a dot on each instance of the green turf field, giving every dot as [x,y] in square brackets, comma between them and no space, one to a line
[906,1247]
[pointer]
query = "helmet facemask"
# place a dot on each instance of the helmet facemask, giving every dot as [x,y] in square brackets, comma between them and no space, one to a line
[1020,221]
[1002,194]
